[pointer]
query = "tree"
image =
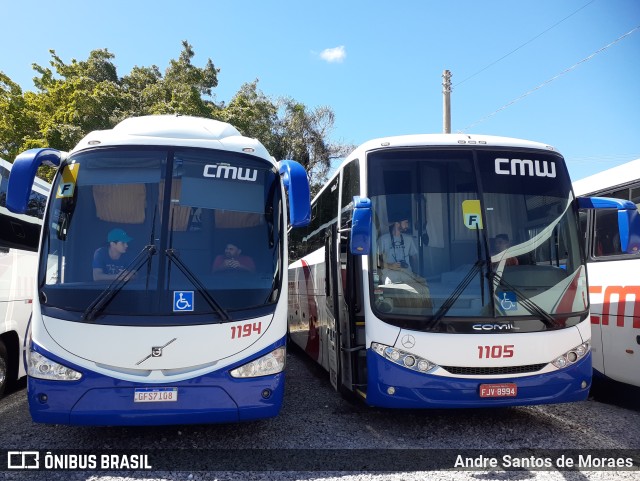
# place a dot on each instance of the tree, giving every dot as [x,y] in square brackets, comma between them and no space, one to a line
[287,129]
[304,136]
[16,121]
[73,99]
[183,90]
[252,113]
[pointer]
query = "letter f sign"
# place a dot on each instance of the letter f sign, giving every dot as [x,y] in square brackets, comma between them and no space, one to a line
[66,189]
[471,214]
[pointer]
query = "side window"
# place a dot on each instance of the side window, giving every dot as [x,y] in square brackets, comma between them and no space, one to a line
[582,222]
[350,188]
[4,182]
[606,240]
[635,196]
[36,205]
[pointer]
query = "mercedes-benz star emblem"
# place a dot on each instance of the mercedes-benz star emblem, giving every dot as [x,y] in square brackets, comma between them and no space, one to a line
[408,341]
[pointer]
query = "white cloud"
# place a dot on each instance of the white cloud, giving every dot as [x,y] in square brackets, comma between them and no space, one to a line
[331,55]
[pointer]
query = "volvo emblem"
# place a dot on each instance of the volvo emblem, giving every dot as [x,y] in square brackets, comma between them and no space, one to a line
[408,341]
[156,351]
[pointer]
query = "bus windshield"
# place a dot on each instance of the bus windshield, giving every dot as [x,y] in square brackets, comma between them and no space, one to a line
[465,234]
[162,236]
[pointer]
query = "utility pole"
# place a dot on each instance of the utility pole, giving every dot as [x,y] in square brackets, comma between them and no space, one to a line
[446,101]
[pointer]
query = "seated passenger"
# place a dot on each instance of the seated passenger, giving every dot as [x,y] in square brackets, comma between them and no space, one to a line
[502,243]
[112,259]
[233,260]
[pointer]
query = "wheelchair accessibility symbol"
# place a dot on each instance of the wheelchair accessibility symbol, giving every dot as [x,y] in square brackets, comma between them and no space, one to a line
[508,301]
[182,301]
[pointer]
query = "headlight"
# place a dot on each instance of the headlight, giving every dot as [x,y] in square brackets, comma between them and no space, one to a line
[42,368]
[572,356]
[402,358]
[272,363]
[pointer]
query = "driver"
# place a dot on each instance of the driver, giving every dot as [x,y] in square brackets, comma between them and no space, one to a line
[398,251]
[111,259]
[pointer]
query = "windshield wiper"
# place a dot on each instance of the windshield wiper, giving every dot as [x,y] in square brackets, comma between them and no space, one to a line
[526,302]
[171,254]
[106,296]
[457,292]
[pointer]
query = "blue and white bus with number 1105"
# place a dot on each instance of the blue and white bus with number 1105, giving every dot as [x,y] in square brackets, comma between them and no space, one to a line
[448,271]
[171,331]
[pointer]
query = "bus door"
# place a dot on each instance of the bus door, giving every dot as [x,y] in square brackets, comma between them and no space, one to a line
[352,338]
[332,305]
[346,346]
[342,331]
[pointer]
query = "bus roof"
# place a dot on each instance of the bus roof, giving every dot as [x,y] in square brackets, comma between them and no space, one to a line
[444,140]
[606,179]
[175,130]
[450,140]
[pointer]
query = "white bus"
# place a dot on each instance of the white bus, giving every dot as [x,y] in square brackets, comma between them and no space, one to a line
[17,274]
[161,267]
[447,271]
[614,277]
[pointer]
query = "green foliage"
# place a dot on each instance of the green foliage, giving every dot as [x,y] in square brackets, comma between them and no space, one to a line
[73,99]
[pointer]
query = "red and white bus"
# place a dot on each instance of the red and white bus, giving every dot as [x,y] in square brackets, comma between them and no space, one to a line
[614,277]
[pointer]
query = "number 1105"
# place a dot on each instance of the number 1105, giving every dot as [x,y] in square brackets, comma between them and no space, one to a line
[489,352]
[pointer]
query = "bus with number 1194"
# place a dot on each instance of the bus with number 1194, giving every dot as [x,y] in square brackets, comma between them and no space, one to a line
[142,314]
[448,271]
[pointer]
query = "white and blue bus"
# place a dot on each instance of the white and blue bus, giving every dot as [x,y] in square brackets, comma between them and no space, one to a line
[448,271]
[160,337]
[18,267]
[614,277]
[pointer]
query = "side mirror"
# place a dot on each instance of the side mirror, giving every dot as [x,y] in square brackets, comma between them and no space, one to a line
[628,219]
[361,226]
[629,230]
[23,173]
[295,181]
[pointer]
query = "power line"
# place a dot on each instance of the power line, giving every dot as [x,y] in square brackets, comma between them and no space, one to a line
[523,45]
[551,79]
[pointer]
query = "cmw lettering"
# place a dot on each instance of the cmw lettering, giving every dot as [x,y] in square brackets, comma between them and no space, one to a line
[223,171]
[525,167]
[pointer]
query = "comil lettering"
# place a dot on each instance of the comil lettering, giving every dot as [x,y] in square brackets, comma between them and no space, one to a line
[223,171]
[532,168]
[494,327]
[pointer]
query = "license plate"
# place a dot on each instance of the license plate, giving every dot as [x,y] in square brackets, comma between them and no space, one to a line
[155,394]
[498,390]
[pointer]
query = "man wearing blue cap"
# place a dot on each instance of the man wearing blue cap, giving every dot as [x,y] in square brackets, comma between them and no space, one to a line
[110,260]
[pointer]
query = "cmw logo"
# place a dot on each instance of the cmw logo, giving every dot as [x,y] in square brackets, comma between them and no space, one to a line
[226,171]
[533,168]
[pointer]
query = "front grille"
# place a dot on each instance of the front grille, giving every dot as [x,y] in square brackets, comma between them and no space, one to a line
[491,371]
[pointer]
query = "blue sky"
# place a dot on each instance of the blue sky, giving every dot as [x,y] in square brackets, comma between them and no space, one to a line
[379,64]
